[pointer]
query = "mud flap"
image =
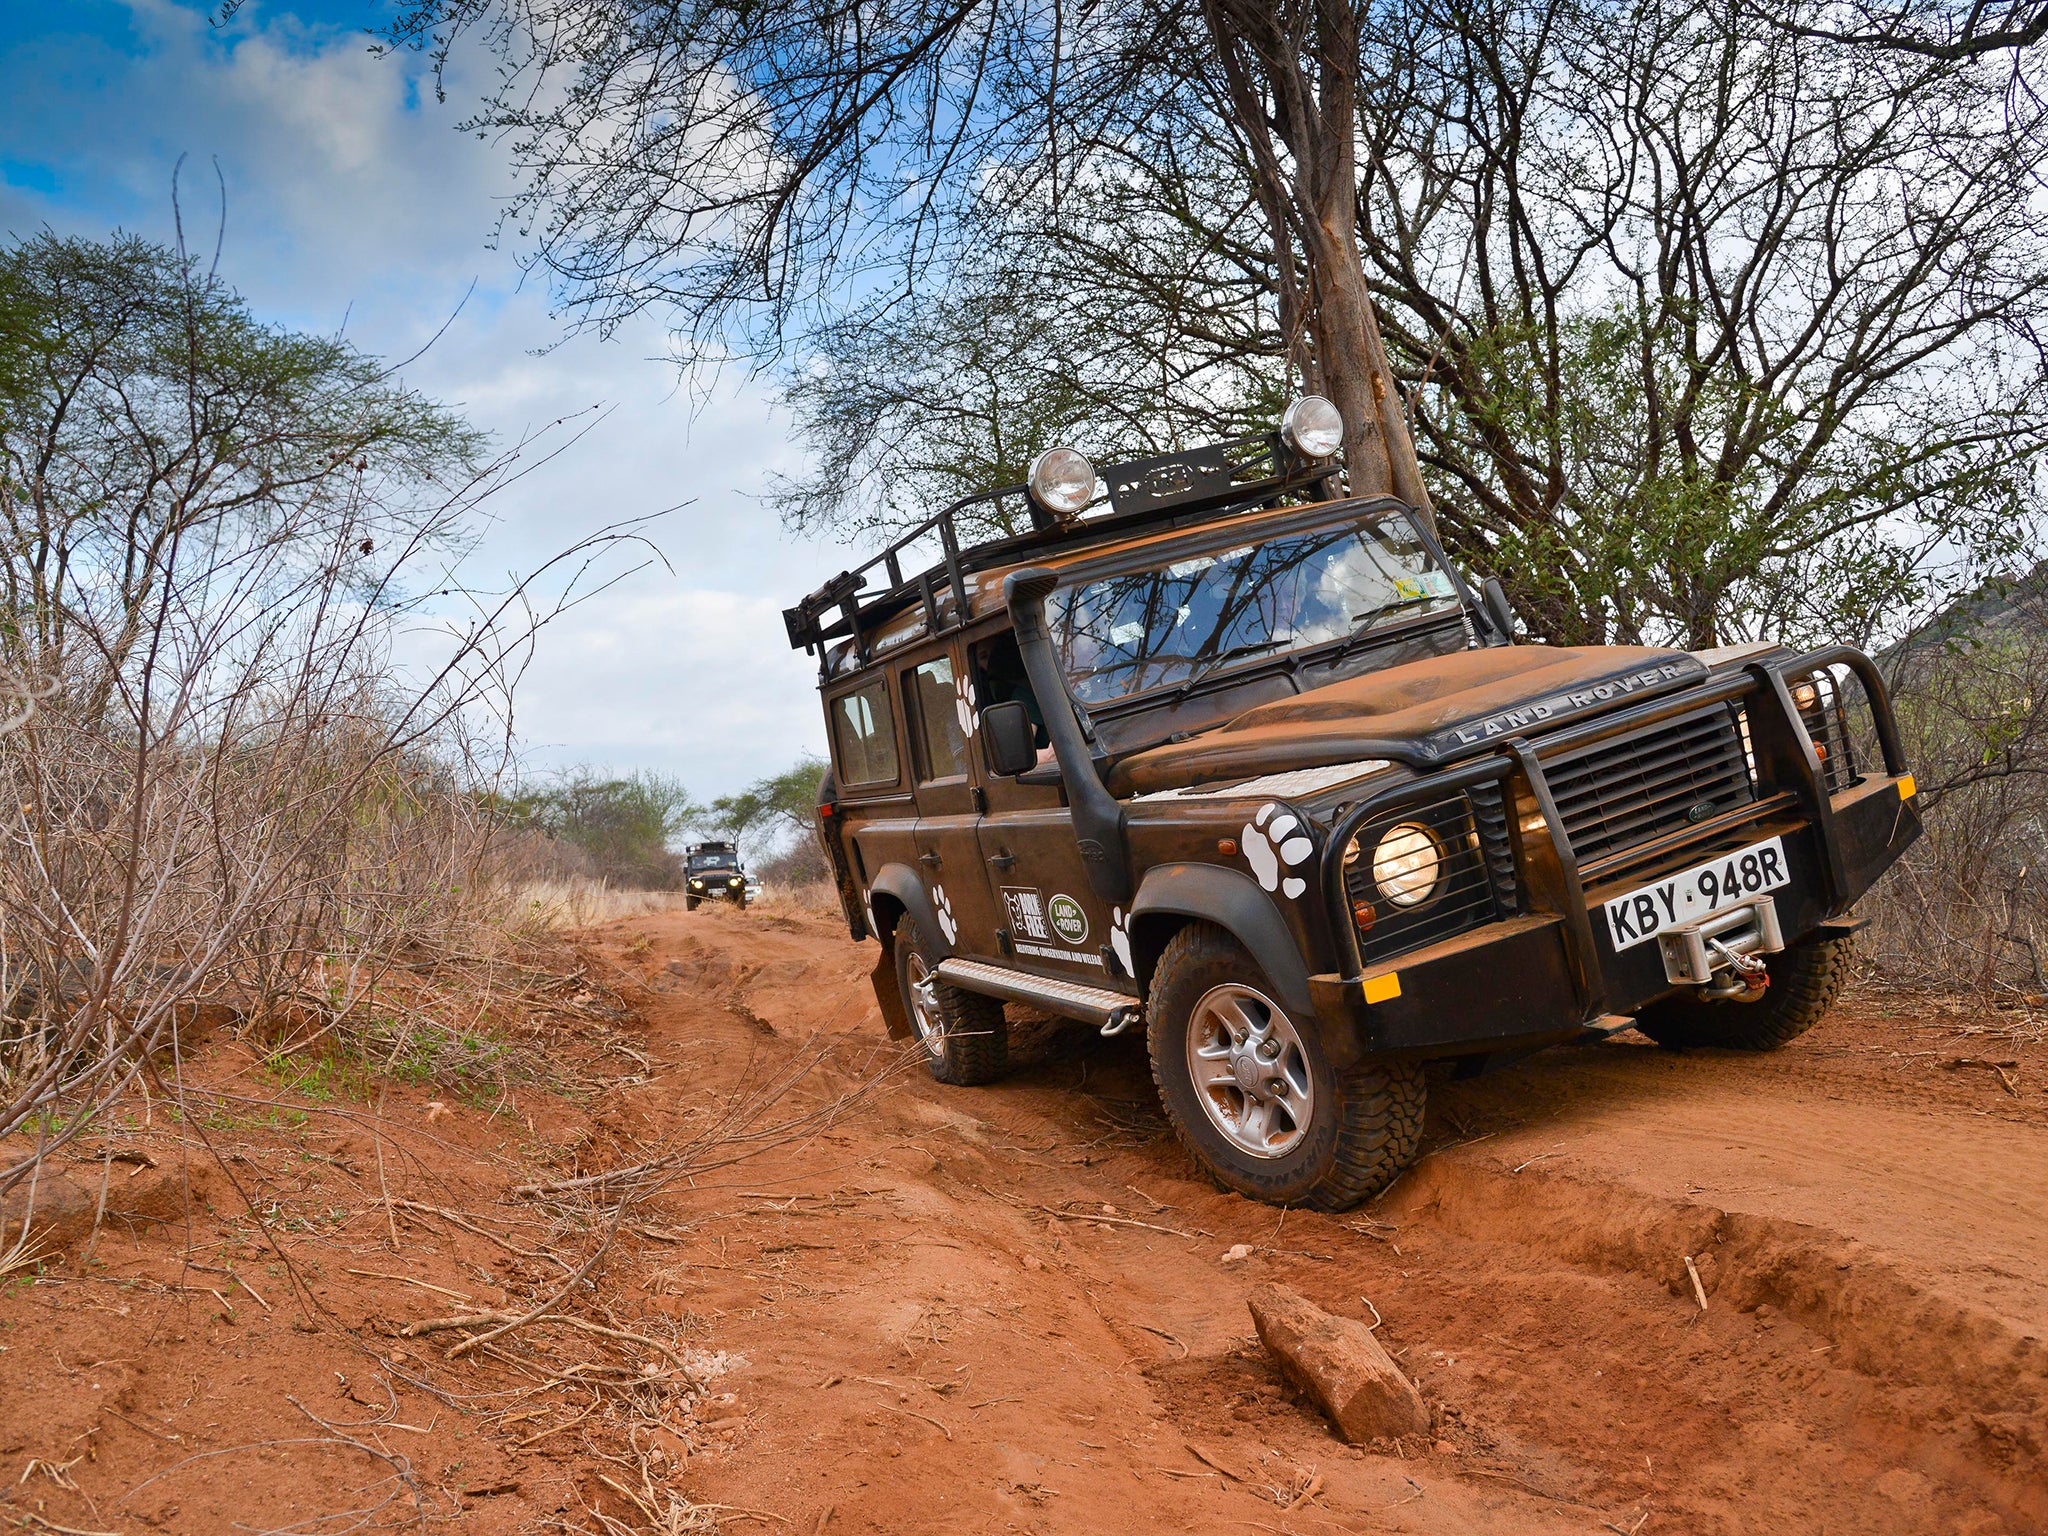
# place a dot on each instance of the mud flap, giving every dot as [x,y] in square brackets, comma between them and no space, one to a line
[887,998]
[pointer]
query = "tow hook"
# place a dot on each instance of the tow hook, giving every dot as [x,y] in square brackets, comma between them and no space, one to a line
[1749,978]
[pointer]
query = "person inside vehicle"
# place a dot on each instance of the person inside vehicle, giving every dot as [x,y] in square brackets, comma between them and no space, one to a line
[1000,666]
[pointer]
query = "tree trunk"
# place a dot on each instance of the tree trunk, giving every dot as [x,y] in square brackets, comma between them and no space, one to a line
[1291,73]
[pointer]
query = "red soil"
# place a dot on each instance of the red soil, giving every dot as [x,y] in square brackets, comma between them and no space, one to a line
[1017,1307]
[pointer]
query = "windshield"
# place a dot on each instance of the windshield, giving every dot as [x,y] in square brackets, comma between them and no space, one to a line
[1177,623]
[713,860]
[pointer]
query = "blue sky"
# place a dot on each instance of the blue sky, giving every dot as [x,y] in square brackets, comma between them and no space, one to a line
[353,202]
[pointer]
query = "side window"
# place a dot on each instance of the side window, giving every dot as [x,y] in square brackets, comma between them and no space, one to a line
[864,733]
[939,709]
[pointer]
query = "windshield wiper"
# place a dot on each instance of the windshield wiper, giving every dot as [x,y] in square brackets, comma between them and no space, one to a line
[1247,648]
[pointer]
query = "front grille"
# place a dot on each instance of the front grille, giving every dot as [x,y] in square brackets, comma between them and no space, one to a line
[1475,882]
[1615,794]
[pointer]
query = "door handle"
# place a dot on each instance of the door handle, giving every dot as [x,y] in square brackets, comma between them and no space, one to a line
[928,860]
[1002,860]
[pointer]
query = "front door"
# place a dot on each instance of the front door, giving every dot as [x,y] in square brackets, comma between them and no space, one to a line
[1054,924]
[948,845]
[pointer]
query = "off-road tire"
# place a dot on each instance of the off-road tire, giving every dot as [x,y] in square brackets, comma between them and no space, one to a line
[690,903]
[975,1048]
[1366,1121]
[1805,981]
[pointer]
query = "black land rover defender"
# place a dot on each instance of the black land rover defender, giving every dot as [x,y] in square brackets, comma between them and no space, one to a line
[711,872]
[1246,762]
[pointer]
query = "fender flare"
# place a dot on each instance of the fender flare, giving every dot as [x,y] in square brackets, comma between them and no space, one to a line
[903,885]
[1236,903]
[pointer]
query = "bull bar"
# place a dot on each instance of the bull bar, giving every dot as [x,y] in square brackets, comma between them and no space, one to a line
[1788,774]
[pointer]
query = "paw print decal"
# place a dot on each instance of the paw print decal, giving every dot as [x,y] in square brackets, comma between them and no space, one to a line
[963,704]
[943,910]
[1120,939]
[1274,842]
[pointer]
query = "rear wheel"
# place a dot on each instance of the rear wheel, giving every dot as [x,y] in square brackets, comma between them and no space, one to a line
[966,1039]
[1252,1094]
[1805,981]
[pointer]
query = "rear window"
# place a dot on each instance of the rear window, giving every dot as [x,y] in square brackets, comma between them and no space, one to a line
[864,735]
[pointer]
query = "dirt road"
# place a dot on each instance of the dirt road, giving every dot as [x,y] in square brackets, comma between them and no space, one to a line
[1022,1308]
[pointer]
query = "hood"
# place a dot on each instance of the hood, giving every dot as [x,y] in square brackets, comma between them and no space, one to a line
[1422,712]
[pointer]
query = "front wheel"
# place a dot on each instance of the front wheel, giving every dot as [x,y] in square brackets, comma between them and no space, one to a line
[689,903]
[1254,1098]
[1805,981]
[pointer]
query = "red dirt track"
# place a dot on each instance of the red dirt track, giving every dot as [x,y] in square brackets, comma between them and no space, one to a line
[1016,1308]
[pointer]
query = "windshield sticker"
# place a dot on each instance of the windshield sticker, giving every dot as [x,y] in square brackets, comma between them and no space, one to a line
[1068,920]
[1027,913]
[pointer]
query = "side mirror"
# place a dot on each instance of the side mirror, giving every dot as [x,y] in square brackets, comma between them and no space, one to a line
[1009,738]
[1498,612]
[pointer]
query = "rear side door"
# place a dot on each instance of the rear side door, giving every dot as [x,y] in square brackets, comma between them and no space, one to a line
[941,724]
[868,764]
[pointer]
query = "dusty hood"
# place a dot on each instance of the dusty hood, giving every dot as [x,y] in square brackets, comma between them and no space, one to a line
[1436,708]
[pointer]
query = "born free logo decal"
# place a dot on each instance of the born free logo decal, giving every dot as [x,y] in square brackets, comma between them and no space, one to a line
[1068,920]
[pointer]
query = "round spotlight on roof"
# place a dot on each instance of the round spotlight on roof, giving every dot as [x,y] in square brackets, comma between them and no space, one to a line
[1062,481]
[1312,427]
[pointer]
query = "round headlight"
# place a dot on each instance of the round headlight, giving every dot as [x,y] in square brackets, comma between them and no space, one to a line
[1406,864]
[1312,427]
[1061,480]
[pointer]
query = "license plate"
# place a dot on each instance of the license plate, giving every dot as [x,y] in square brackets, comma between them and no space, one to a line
[1686,897]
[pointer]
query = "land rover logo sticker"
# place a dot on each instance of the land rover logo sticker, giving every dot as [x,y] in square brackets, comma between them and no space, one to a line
[1068,920]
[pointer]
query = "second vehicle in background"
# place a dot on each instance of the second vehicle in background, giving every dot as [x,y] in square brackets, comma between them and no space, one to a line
[711,872]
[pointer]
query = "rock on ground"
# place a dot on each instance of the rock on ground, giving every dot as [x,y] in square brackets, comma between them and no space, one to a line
[1341,1365]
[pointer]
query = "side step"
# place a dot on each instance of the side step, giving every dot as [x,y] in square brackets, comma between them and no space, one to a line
[1110,1012]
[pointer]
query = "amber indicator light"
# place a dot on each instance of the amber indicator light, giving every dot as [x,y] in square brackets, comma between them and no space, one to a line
[1226,846]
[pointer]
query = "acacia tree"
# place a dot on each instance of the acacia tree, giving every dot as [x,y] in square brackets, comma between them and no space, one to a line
[769,169]
[1709,327]
[143,408]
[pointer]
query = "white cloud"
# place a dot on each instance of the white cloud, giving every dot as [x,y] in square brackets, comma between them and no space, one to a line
[351,196]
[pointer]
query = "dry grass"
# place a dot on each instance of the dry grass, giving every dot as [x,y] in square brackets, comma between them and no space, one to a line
[579,902]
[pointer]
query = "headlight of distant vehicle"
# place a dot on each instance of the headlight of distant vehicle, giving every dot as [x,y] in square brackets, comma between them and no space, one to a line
[697,884]
[1312,427]
[1061,480]
[1406,864]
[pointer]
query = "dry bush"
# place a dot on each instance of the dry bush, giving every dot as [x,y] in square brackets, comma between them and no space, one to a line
[253,814]
[1967,908]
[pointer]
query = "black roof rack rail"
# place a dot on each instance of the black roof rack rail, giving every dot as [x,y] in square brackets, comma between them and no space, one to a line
[1236,474]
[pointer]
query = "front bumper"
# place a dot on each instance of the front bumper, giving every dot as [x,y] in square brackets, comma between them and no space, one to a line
[1542,976]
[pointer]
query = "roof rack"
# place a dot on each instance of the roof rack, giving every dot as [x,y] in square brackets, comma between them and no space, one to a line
[1234,475]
